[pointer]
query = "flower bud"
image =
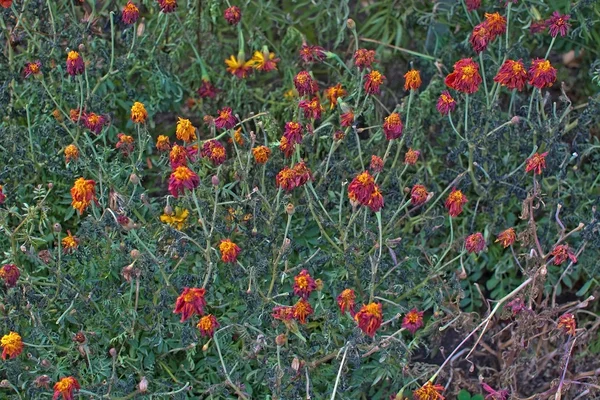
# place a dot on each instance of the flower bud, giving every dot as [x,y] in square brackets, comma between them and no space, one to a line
[205,347]
[289,209]
[57,228]
[81,47]
[281,340]
[135,254]
[168,210]
[515,120]
[215,180]
[296,364]
[45,363]
[143,385]
[133,178]
[112,352]
[351,24]
[319,283]
[50,185]
[24,248]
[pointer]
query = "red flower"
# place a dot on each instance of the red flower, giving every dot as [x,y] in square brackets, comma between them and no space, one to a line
[3,196]
[537,26]
[536,163]
[305,84]
[567,323]
[465,78]
[191,301]
[561,253]
[233,15]
[229,251]
[347,119]
[226,119]
[346,301]
[65,388]
[83,193]
[364,58]
[473,4]
[413,320]
[312,108]
[412,80]
[130,13]
[10,274]
[480,37]
[125,143]
[302,310]
[507,237]
[392,126]
[286,146]
[446,103]
[207,325]
[293,132]
[182,178]
[376,164]
[475,243]
[361,187]
[429,391]
[376,200]
[373,81]
[418,195]
[283,313]
[214,151]
[5,3]
[311,54]
[93,122]
[369,318]
[302,172]
[411,156]
[207,89]
[455,201]
[516,306]
[286,179]
[558,24]
[178,156]
[32,68]
[541,73]
[512,74]
[167,6]
[75,64]
[304,284]
[496,24]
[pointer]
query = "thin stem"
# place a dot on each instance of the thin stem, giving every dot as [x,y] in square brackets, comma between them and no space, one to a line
[339,374]
[550,48]
[485,88]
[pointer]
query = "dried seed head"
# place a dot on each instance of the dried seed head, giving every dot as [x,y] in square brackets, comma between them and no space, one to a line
[135,254]
[133,178]
[281,339]
[289,209]
[351,24]
[57,228]
[215,180]
[143,385]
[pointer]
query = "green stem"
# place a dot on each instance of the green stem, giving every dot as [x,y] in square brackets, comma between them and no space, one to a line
[485,88]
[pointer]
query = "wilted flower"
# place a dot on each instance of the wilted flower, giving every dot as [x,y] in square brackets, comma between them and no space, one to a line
[376,165]
[332,93]
[541,73]
[411,156]
[302,172]
[65,388]
[429,391]
[369,318]
[473,4]
[475,243]
[412,80]
[305,84]
[75,64]
[93,122]
[74,115]
[376,200]
[558,24]
[286,146]
[182,178]
[455,201]
[418,195]
[283,313]
[32,68]
[238,66]
[286,178]
[214,151]
[361,187]
[561,253]
[264,61]
[10,274]
[312,53]
[185,130]
[178,219]
[392,126]
[293,132]
[302,310]
[364,58]
[567,323]
[507,237]
[304,284]
[178,155]
[163,143]
[480,37]
[138,113]
[413,320]
[130,13]
[226,119]
[346,301]
[373,81]
[261,154]
[207,89]
[512,74]
[125,143]
[69,243]
[71,153]
[312,108]
[537,26]
[191,301]
[347,119]
[233,15]
[465,78]
[496,23]
[338,135]
[83,193]
[536,163]
[12,345]
[167,6]
[446,103]
[229,251]
[207,325]
[516,306]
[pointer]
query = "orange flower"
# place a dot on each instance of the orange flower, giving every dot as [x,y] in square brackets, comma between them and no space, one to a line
[446,103]
[74,115]
[418,195]
[373,81]
[364,58]
[237,136]
[185,130]
[312,108]
[536,163]
[376,200]
[65,388]
[429,391]
[567,323]
[71,153]
[480,37]
[83,193]
[69,243]
[376,165]
[130,13]
[182,178]
[138,113]
[214,151]
[541,73]
[261,154]
[264,60]
[301,310]
[32,68]
[305,84]
[475,243]
[411,156]
[304,284]
[332,93]
[413,320]
[286,178]
[238,66]
[229,251]
[455,201]
[496,24]
[191,301]
[347,119]
[392,126]
[163,143]
[369,318]
[75,64]
[207,325]
[10,274]
[465,78]
[93,122]
[125,143]
[346,301]
[412,80]
[361,187]
[512,74]
[167,6]
[283,313]
[507,237]
[561,253]
[12,345]
[178,155]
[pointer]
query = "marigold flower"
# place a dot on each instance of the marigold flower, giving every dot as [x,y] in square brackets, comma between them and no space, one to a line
[376,165]
[373,81]
[293,132]
[12,345]
[283,313]
[512,74]
[413,320]
[361,187]
[541,73]
[75,64]
[347,119]
[167,6]
[304,284]
[339,135]
[412,80]
[182,178]
[71,153]
[93,122]
[369,318]
[480,37]
[65,388]
[83,193]
[312,53]
[418,195]
[185,130]
[411,157]
[264,61]
[455,201]
[233,15]
[57,115]
[207,89]
[558,24]
[74,115]
[69,243]
[286,146]
[178,219]
[214,151]
[465,78]
[125,144]
[496,24]
[475,243]
[392,126]
[303,173]
[536,163]
[332,93]
[561,253]
[312,108]
[207,325]
[302,310]
[376,200]
[229,251]
[178,155]
[364,58]
[191,301]
[567,323]
[516,306]
[10,274]
[130,13]
[238,66]
[163,143]
[346,301]
[446,103]
[32,68]
[286,179]
[305,84]
[138,113]
[6,3]
[429,391]
[238,137]
[473,4]
[507,237]
[261,154]
[226,119]
[537,26]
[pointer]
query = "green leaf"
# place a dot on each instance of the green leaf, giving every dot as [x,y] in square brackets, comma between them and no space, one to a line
[585,288]
[464,395]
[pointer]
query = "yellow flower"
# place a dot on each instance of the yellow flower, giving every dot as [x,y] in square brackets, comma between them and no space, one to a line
[239,67]
[12,345]
[185,130]
[264,61]
[178,219]
[138,113]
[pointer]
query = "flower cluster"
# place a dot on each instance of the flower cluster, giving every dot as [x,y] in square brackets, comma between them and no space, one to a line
[484,33]
[365,191]
[290,178]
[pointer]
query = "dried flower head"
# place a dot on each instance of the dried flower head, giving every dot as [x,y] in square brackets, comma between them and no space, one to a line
[492,393]
[446,103]
[302,310]
[207,90]
[392,126]
[512,74]
[411,157]
[214,151]
[185,131]
[69,243]
[83,193]
[293,132]
[12,345]
[473,4]
[507,237]
[475,243]
[369,318]
[239,66]
[376,200]
[163,143]
[286,146]
[465,78]
[167,6]
[182,178]
[305,84]
[364,58]
[130,13]
[226,119]
[65,388]
[261,154]
[207,325]
[413,320]
[346,301]
[412,80]
[561,253]
[10,274]
[178,156]
[312,108]
[567,323]
[376,165]
[558,24]
[233,15]
[536,163]
[537,26]
[71,153]
[190,302]
[361,187]
[283,313]
[125,144]
[496,24]
[429,391]
[311,54]
[286,178]
[455,201]
[373,81]
[418,195]
[138,113]
[541,73]
[229,251]
[304,284]
[178,219]
[75,64]
[481,36]
[332,93]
